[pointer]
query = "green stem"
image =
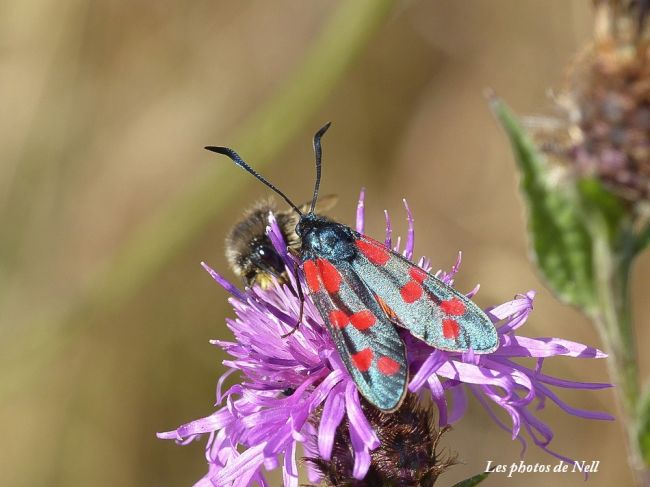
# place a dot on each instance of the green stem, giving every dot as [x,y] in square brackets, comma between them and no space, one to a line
[613,317]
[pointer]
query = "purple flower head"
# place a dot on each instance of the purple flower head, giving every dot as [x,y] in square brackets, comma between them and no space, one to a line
[295,391]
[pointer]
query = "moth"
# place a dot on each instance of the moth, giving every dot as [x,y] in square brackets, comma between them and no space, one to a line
[365,292]
[249,250]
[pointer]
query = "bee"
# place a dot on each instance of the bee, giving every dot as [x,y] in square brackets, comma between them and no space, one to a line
[249,251]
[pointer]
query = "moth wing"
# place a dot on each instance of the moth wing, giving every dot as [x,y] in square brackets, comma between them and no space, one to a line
[367,341]
[431,310]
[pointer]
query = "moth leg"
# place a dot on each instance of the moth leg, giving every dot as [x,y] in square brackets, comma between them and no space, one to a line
[301,297]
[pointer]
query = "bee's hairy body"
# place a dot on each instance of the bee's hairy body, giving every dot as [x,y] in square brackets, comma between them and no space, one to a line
[249,250]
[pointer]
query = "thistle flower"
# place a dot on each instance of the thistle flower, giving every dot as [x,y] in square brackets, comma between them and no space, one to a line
[296,391]
[604,129]
[407,454]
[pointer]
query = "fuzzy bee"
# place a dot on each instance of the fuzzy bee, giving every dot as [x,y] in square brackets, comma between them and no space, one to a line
[249,251]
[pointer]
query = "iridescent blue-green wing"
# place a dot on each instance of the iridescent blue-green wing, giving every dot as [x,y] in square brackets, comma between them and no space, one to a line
[431,310]
[367,341]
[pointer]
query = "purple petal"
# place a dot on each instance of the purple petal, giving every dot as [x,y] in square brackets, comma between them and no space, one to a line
[361,455]
[548,450]
[274,233]
[332,415]
[458,403]
[361,226]
[513,324]
[425,264]
[290,469]
[518,377]
[388,241]
[496,419]
[474,291]
[220,382]
[358,421]
[519,346]
[429,367]
[242,469]
[410,239]
[224,283]
[522,304]
[311,451]
[438,396]
[538,425]
[554,381]
[474,374]
[582,413]
[398,244]
[448,277]
[512,411]
[208,424]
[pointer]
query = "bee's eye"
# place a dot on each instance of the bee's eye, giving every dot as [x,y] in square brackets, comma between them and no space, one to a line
[265,257]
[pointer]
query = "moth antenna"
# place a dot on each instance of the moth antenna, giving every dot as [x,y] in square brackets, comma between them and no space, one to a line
[318,152]
[241,163]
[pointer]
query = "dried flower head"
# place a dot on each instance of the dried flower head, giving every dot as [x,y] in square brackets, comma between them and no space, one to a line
[605,127]
[296,391]
[407,455]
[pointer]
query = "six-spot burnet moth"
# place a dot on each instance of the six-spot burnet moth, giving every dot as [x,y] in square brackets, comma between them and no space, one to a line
[364,290]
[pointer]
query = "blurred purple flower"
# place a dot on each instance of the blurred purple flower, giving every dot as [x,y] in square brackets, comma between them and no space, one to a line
[285,380]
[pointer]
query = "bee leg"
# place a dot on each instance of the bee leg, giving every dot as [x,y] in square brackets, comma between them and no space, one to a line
[301,296]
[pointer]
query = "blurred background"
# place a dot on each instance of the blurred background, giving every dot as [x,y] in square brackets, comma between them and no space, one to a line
[108,202]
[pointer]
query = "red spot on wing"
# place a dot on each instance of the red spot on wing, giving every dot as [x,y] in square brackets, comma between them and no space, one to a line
[411,292]
[363,320]
[330,276]
[338,319]
[450,328]
[311,275]
[388,366]
[374,252]
[418,274]
[454,307]
[362,359]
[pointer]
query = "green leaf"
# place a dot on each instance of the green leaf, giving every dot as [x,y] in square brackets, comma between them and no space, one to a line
[596,198]
[643,424]
[475,480]
[560,240]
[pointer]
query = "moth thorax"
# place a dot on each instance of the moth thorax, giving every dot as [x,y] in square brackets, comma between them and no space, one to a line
[331,241]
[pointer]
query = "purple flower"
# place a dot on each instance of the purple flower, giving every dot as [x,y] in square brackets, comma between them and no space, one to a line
[262,420]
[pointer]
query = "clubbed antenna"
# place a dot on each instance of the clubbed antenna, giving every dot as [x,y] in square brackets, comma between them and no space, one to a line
[241,163]
[318,152]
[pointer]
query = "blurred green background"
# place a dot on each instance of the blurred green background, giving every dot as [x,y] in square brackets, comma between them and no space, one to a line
[108,202]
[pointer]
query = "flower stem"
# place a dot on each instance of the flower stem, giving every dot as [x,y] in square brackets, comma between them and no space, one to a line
[613,318]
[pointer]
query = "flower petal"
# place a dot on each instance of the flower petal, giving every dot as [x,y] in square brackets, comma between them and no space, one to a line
[358,421]
[290,469]
[438,396]
[224,283]
[360,226]
[332,415]
[519,346]
[240,471]
[410,236]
